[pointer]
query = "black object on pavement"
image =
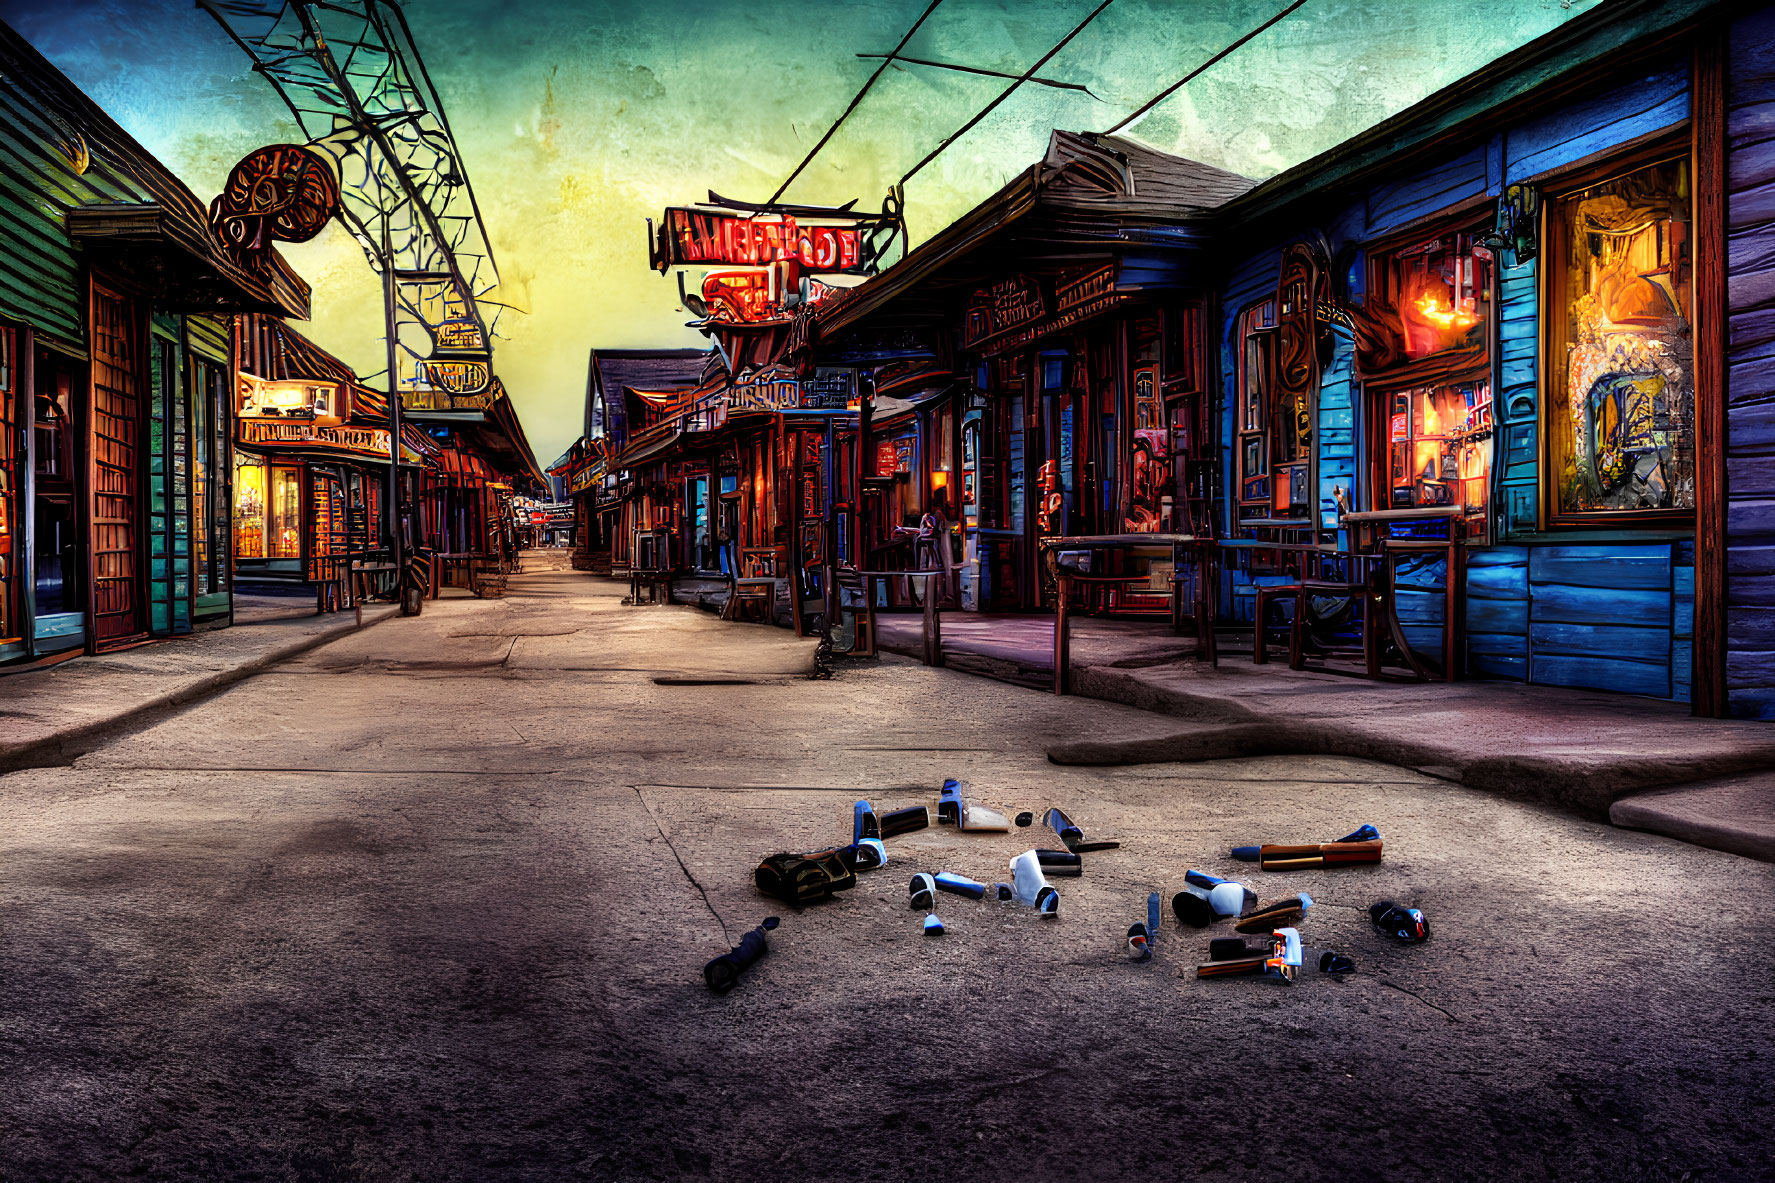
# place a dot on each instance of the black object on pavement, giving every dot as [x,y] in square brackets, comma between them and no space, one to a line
[1335,963]
[1233,948]
[1401,923]
[805,877]
[1192,909]
[904,821]
[723,973]
[1026,819]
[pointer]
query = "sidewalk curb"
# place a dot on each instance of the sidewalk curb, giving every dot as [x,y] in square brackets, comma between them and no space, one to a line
[1585,784]
[69,744]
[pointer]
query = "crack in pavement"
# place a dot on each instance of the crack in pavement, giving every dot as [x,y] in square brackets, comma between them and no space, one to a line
[639,796]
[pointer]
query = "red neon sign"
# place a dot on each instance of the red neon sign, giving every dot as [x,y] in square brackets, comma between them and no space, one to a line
[689,237]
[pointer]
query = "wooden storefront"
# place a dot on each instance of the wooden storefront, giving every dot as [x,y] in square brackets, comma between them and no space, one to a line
[114,300]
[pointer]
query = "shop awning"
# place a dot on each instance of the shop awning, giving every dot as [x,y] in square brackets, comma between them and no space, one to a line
[648,447]
[181,266]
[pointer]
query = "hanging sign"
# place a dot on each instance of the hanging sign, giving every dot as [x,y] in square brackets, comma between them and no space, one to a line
[727,238]
[281,193]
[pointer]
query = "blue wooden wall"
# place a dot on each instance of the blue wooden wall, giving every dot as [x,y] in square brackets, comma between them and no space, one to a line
[1615,616]
[1750,368]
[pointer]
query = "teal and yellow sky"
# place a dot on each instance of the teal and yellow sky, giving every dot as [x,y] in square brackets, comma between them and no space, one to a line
[580,120]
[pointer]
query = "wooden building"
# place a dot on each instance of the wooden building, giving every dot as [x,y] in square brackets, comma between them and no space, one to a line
[609,506]
[1500,319]
[311,459]
[115,378]
[1038,370]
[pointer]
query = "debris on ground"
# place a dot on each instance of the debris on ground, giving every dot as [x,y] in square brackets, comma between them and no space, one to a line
[723,973]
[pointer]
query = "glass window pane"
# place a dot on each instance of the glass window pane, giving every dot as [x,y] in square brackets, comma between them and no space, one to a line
[1623,430]
[283,517]
[249,508]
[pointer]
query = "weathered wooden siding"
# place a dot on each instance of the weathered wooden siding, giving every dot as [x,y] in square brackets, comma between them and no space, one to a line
[1337,429]
[1750,367]
[1653,100]
[40,280]
[1517,443]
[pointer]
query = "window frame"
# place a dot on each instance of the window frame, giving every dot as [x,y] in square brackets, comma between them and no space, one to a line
[1450,365]
[1244,436]
[1553,328]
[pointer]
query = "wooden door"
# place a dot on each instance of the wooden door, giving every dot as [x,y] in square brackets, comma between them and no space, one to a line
[118,599]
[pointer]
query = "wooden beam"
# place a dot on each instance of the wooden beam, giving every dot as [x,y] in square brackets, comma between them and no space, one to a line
[1708,680]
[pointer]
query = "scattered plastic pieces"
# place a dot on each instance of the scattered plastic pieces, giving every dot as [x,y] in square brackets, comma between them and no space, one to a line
[1335,963]
[723,973]
[1191,907]
[1142,936]
[978,819]
[1071,835]
[1233,948]
[904,821]
[949,803]
[1031,887]
[1406,925]
[1275,914]
[960,885]
[863,824]
[1282,962]
[1061,863]
[1364,833]
[867,855]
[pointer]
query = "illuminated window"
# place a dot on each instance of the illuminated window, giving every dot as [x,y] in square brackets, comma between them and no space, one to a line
[249,507]
[1428,299]
[1439,446]
[283,515]
[1621,419]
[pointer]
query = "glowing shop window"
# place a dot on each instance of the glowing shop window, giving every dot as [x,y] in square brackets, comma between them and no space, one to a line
[1622,423]
[249,510]
[283,517]
[1439,446]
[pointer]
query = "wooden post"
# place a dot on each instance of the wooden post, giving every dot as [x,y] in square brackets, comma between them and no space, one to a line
[1708,678]
[933,627]
[1062,634]
[1454,636]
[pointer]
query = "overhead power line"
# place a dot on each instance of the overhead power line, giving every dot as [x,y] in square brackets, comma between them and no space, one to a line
[845,114]
[1006,93]
[1182,82]
[1056,84]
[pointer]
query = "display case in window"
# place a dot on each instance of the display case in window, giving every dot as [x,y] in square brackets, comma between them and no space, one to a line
[1439,447]
[1621,416]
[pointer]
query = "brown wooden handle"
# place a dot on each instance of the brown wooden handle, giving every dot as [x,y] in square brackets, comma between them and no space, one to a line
[1244,967]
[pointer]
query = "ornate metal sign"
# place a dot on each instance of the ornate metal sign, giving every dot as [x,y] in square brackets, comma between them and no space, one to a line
[282,193]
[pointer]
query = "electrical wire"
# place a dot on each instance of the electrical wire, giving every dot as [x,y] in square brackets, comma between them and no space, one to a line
[879,70]
[1181,82]
[1006,93]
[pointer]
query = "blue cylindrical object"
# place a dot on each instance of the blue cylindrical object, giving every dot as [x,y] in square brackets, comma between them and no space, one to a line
[863,824]
[959,885]
[1247,854]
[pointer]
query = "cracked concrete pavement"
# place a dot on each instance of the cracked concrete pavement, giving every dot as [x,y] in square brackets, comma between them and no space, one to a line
[431,902]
